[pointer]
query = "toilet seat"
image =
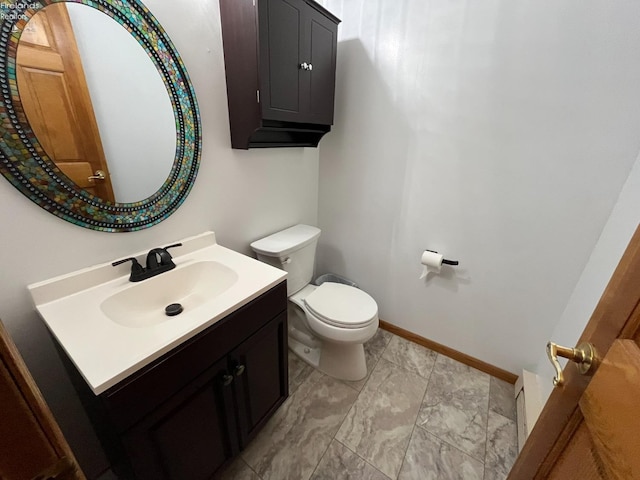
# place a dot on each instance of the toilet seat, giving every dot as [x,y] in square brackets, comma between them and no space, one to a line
[342,306]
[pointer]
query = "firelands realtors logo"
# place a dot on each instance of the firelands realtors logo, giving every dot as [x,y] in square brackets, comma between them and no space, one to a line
[12,11]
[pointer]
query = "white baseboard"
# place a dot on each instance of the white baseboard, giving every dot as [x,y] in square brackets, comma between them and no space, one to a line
[528,403]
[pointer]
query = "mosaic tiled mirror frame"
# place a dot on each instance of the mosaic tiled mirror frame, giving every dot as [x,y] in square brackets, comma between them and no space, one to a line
[26,165]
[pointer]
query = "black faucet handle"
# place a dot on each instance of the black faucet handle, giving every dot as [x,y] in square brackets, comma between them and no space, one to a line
[172,246]
[134,262]
[165,257]
[136,269]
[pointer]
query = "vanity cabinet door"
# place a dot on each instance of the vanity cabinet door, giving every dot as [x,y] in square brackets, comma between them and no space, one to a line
[261,376]
[191,435]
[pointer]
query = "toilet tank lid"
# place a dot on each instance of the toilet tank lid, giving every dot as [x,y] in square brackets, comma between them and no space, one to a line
[286,241]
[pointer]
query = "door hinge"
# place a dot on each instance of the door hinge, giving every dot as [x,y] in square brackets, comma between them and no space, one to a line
[258,96]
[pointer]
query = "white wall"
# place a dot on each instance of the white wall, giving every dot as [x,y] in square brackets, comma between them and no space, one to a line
[131,104]
[241,195]
[499,133]
[604,259]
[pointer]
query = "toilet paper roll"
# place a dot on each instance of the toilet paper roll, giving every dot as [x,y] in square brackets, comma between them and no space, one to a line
[431,261]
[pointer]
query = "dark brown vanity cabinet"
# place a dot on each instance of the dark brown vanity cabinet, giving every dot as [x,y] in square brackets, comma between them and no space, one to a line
[280,60]
[189,412]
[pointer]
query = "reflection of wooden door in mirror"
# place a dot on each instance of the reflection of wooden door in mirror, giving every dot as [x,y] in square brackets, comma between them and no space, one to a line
[56,99]
[31,443]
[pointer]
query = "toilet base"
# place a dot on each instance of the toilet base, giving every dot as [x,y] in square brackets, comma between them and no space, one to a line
[304,352]
[343,361]
[338,360]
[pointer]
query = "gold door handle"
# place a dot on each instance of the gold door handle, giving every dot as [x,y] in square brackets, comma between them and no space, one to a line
[99,175]
[584,356]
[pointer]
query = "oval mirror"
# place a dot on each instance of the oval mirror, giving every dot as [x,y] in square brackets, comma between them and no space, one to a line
[100,122]
[96,102]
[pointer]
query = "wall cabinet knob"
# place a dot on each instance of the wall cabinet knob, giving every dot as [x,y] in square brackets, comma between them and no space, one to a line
[304,66]
[239,370]
[227,379]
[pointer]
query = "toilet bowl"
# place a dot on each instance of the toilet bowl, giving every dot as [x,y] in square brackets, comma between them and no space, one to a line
[328,324]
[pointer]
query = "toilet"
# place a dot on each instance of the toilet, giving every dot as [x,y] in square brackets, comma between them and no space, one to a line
[328,324]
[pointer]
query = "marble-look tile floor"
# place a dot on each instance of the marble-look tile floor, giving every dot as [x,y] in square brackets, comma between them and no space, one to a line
[417,416]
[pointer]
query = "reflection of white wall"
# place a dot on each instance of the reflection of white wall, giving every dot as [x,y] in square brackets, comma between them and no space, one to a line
[131,104]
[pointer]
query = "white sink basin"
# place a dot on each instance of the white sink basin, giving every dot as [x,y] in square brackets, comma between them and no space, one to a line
[143,304]
[111,327]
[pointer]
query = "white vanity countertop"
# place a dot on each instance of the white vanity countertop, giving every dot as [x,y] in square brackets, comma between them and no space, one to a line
[106,352]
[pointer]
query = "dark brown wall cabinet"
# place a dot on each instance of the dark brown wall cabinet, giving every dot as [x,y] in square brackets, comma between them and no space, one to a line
[280,60]
[189,412]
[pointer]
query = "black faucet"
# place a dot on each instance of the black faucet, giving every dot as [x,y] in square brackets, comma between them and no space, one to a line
[159,260]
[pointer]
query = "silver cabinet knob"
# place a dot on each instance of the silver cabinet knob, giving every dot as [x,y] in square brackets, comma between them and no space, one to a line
[227,380]
[304,66]
[309,67]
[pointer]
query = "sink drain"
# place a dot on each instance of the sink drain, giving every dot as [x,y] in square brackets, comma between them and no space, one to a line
[173,309]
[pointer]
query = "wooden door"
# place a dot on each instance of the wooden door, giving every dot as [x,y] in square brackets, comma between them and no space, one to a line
[261,376]
[31,443]
[56,100]
[589,428]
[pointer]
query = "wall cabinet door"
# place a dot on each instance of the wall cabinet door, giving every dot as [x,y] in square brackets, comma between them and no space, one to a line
[321,44]
[297,62]
[261,376]
[191,436]
[280,25]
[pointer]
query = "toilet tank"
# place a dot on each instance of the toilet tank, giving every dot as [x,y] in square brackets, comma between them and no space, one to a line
[292,250]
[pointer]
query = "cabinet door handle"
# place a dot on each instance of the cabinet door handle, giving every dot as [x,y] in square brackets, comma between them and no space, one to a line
[304,66]
[226,380]
[239,370]
[309,67]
